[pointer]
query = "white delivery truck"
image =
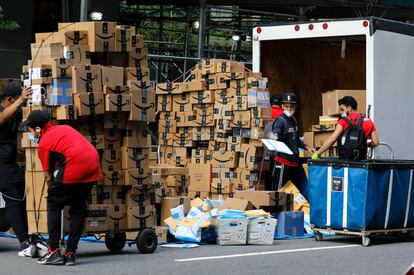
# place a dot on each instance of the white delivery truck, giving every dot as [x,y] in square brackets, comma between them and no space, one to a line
[369,54]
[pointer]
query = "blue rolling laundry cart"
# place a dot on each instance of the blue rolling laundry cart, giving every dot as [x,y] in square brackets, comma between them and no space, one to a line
[361,198]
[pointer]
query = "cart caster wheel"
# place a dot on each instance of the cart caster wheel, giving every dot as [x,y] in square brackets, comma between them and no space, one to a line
[115,242]
[318,236]
[146,241]
[366,241]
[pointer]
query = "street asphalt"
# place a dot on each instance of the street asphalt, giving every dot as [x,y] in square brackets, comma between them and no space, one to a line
[334,255]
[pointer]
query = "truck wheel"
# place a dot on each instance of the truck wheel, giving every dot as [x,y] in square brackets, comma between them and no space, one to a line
[147,241]
[366,240]
[4,223]
[115,242]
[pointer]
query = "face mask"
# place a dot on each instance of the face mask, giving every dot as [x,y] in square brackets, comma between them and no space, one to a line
[345,114]
[289,113]
[33,138]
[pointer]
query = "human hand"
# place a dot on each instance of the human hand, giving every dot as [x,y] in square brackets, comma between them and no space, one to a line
[310,149]
[27,93]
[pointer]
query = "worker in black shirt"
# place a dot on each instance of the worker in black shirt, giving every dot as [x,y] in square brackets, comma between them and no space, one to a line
[12,184]
[285,129]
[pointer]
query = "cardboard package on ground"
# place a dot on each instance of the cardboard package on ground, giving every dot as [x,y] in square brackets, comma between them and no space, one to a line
[46,50]
[299,202]
[290,223]
[86,79]
[162,233]
[169,203]
[141,217]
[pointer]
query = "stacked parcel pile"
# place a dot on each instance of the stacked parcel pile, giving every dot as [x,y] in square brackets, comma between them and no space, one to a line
[95,77]
[213,124]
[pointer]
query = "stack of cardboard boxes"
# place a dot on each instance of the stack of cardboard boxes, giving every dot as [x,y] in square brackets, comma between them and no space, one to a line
[94,76]
[318,134]
[213,124]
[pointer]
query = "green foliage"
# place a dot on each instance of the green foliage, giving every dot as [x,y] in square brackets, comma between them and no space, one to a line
[7,24]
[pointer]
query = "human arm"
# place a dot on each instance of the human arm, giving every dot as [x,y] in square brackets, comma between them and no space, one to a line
[374,139]
[331,140]
[48,177]
[10,111]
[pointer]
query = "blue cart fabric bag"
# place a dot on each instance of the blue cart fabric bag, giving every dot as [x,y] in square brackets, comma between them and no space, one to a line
[366,195]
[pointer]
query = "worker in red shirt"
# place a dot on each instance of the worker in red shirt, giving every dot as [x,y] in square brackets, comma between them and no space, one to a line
[347,107]
[276,103]
[285,129]
[71,167]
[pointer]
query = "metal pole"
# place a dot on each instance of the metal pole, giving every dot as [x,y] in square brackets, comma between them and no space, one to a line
[201,30]
[83,10]
[65,11]
[187,39]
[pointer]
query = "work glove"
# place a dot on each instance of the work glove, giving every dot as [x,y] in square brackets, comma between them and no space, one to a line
[316,156]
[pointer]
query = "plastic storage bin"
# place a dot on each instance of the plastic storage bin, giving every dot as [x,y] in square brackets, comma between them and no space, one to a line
[231,231]
[261,231]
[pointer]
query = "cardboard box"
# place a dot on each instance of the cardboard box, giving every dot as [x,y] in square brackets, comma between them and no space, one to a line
[117,90]
[164,103]
[141,85]
[137,41]
[328,120]
[198,194]
[89,104]
[317,139]
[136,73]
[223,111]
[200,177]
[221,186]
[32,160]
[168,88]
[60,92]
[167,126]
[90,126]
[323,128]
[76,38]
[181,103]
[61,67]
[141,217]
[204,120]
[238,88]
[237,204]
[193,86]
[115,120]
[86,79]
[112,139]
[290,224]
[26,142]
[38,75]
[66,112]
[112,76]
[240,103]
[101,34]
[172,202]
[217,146]
[78,55]
[234,143]
[137,55]
[97,141]
[36,191]
[225,159]
[114,194]
[185,119]
[138,176]
[113,178]
[245,179]
[258,198]
[166,155]
[134,158]
[166,139]
[235,76]
[330,99]
[49,37]
[117,217]
[111,160]
[198,156]
[250,157]
[162,234]
[37,222]
[95,219]
[123,39]
[202,97]
[46,50]
[140,195]
[136,134]
[93,196]
[143,107]
[261,112]
[117,103]
[203,133]
[216,82]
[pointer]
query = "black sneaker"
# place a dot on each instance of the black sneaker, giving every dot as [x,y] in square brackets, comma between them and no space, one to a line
[70,258]
[52,258]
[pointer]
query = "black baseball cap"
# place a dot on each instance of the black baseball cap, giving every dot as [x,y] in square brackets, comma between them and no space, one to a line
[36,118]
[13,89]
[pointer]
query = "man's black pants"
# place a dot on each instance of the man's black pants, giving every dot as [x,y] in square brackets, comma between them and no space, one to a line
[75,196]
[296,174]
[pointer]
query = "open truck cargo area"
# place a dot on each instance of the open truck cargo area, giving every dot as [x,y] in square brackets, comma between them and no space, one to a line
[370,54]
